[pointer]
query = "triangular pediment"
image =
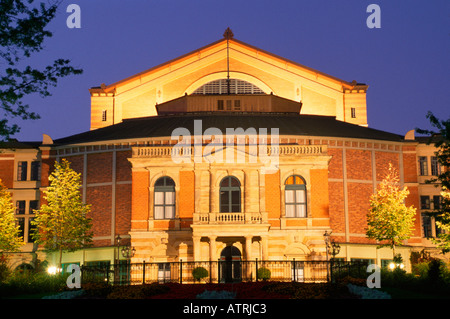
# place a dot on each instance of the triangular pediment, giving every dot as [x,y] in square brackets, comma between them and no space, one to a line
[228,58]
[223,50]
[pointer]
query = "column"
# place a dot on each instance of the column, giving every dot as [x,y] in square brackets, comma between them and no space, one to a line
[265,247]
[212,248]
[248,247]
[197,252]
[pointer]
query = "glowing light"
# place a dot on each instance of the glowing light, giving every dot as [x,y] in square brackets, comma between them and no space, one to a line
[391,265]
[53,270]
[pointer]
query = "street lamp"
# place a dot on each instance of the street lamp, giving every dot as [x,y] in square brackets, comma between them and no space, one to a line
[118,239]
[331,247]
[128,252]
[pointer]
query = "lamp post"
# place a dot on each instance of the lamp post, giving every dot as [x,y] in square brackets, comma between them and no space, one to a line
[326,238]
[332,248]
[128,252]
[118,239]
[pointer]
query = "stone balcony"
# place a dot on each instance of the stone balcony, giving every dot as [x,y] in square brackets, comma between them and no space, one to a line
[230,218]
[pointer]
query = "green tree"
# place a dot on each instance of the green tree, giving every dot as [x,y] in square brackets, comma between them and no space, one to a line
[10,239]
[62,223]
[389,220]
[22,33]
[441,140]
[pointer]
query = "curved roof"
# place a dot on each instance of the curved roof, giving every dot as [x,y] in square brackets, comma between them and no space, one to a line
[288,124]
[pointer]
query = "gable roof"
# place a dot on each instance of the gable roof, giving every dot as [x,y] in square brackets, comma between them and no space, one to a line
[111,87]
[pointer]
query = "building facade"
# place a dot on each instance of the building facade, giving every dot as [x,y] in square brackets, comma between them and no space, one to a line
[226,151]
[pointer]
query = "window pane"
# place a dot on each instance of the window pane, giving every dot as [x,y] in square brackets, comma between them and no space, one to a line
[34,204]
[170,198]
[20,207]
[159,212]
[35,171]
[234,182]
[170,212]
[224,201]
[290,180]
[159,198]
[300,196]
[290,198]
[169,181]
[235,197]
[22,171]
[300,211]
[290,210]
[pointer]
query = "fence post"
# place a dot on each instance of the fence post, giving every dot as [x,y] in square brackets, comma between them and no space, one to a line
[256,272]
[210,271]
[295,272]
[218,271]
[143,272]
[181,271]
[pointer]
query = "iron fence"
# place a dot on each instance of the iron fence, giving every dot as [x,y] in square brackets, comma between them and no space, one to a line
[221,271]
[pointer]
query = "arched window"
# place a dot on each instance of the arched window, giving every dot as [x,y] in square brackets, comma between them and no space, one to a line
[164,207]
[230,195]
[221,87]
[295,196]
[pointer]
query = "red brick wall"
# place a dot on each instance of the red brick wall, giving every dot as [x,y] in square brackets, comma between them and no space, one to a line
[359,164]
[336,203]
[99,167]
[7,170]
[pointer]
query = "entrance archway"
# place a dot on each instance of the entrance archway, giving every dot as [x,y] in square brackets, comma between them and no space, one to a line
[230,265]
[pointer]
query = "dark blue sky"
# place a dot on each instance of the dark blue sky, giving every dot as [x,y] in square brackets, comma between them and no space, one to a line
[406,62]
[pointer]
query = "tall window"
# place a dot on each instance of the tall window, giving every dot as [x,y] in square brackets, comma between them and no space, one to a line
[35,171]
[164,207]
[230,195]
[295,196]
[424,202]
[435,168]
[423,165]
[22,171]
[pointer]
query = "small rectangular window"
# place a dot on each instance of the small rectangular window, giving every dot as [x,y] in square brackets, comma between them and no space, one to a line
[35,171]
[220,105]
[104,116]
[435,168]
[423,165]
[437,202]
[22,171]
[20,207]
[425,202]
[353,110]
[34,204]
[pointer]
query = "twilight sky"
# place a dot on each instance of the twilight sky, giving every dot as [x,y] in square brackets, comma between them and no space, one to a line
[406,62]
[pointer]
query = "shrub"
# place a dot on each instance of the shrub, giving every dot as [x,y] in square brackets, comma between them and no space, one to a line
[26,283]
[199,273]
[264,273]
[4,269]
[136,291]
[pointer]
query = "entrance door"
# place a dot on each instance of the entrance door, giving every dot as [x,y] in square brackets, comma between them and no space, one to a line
[230,265]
